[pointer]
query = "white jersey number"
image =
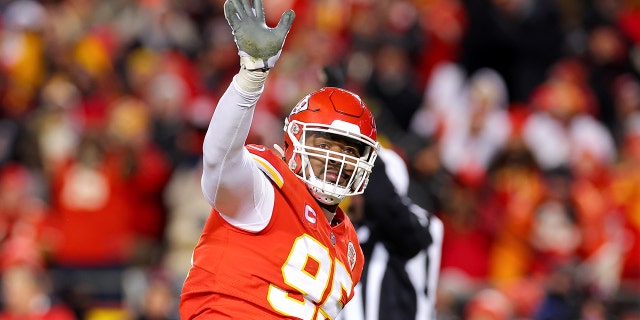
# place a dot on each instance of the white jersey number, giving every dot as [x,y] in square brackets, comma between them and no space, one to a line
[308,270]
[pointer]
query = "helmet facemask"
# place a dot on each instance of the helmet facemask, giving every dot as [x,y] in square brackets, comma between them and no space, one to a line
[341,174]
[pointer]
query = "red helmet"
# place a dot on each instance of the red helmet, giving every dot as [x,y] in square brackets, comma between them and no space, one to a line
[341,114]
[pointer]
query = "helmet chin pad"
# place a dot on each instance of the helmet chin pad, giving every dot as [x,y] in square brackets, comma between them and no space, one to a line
[322,197]
[319,188]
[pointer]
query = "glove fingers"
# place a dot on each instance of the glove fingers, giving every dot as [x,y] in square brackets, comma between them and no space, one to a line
[259,9]
[246,4]
[238,8]
[231,13]
[285,22]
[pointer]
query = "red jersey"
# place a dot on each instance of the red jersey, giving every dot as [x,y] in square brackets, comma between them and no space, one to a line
[298,267]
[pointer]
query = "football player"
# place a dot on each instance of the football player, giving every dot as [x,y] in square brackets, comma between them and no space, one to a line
[276,245]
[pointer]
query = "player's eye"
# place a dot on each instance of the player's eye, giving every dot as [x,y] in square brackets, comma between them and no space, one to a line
[324,146]
[351,151]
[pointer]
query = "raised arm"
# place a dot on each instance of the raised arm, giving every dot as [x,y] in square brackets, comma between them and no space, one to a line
[231,182]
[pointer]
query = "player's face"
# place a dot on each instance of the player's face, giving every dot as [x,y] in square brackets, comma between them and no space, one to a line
[329,170]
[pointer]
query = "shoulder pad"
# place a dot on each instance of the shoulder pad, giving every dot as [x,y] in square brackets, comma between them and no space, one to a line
[264,158]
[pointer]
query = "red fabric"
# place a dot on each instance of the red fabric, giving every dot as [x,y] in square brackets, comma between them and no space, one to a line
[625,190]
[465,249]
[445,23]
[97,220]
[594,210]
[96,233]
[629,22]
[238,274]
[177,63]
[147,185]
[631,258]
[21,217]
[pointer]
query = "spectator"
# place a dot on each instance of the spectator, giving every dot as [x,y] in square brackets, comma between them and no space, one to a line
[480,130]
[26,295]
[489,304]
[110,190]
[562,126]
[65,64]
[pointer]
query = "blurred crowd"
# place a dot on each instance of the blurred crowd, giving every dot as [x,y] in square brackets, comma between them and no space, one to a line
[519,121]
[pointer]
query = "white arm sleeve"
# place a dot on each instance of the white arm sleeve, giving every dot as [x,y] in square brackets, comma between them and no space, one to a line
[231,180]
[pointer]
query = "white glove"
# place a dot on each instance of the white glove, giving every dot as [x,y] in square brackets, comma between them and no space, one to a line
[259,46]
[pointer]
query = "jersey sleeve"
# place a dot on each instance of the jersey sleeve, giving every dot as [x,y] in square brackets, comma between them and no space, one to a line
[231,180]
